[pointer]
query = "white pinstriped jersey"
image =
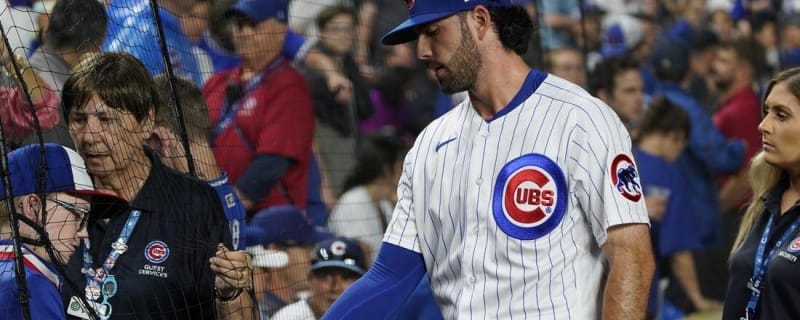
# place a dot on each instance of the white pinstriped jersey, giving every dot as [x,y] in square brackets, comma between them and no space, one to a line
[510,214]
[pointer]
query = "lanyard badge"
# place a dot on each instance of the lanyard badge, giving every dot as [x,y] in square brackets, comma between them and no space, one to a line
[100,282]
[757,281]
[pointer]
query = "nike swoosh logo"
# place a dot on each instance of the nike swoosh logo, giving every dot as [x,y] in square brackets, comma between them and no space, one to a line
[441,144]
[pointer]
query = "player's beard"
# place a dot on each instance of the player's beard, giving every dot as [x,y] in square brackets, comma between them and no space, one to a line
[464,66]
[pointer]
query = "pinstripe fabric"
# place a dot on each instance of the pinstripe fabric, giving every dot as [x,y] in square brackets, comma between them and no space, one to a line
[446,194]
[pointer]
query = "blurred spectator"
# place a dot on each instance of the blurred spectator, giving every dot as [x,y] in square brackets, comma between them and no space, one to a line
[280,239]
[16,104]
[19,25]
[193,25]
[337,112]
[790,32]
[708,155]
[660,139]
[303,15]
[70,36]
[557,20]
[622,35]
[587,35]
[370,192]
[567,63]
[703,44]
[764,32]
[734,72]
[389,94]
[167,141]
[618,82]
[721,23]
[262,112]
[737,117]
[133,29]
[335,265]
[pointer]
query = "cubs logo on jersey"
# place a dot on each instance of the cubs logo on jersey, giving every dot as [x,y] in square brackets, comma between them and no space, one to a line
[625,177]
[530,197]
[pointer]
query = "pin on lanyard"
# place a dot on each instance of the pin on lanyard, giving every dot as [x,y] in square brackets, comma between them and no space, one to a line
[100,282]
[230,108]
[756,283]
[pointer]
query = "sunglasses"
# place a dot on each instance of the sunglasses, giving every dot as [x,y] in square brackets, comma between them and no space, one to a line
[74,209]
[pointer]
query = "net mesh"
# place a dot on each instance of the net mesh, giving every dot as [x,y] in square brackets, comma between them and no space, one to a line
[337,164]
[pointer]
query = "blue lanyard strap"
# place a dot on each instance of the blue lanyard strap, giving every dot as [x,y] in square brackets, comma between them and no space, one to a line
[230,108]
[94,278]
[756,283]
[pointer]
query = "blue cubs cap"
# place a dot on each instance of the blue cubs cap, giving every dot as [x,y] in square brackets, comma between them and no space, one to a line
[261,10]
[424,11]
[64,171]
[339,252]
[284,224]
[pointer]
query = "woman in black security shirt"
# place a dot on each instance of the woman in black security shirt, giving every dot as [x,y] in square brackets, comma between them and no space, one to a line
[764,281]
[156,258]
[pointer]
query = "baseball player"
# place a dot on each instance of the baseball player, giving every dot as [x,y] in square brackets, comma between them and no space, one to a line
[521,202]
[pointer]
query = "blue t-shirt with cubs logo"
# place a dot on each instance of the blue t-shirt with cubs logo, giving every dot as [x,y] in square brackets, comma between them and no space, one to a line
[234,210]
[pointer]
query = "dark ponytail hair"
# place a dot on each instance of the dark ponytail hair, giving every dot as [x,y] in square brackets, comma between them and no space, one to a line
[375,156]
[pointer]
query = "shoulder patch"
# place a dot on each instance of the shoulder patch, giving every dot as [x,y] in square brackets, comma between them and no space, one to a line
[530,197]
[625,177]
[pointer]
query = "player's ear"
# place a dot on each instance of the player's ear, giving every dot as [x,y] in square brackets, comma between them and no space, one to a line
[482,21]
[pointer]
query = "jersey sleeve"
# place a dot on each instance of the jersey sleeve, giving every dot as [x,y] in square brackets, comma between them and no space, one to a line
[603,174]
[402,229]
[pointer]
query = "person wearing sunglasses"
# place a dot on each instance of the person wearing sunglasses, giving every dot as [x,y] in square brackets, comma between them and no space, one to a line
[45,207]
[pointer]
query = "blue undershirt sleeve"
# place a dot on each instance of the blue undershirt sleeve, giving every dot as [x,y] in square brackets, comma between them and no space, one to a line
[380,293]
[261,175]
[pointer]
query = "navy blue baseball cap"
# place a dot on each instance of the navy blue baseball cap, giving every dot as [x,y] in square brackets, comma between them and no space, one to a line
[64,171]
[339,252]
[284,224]
[424,11]
[261,10]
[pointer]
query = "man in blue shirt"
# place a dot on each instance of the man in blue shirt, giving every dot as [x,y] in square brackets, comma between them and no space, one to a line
[50,191]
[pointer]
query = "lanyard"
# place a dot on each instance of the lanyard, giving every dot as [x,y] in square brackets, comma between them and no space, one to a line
[756,283]
[100,281]
[230,108]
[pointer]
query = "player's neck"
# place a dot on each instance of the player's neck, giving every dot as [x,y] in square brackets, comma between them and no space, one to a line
[500,79]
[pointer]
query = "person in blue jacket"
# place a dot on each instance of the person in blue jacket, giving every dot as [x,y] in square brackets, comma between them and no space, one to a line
[51,192]
[708,153]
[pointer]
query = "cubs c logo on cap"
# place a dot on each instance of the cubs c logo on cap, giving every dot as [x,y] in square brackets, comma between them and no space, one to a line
[794,246]
[625,178]
[530,197]
[156,251]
